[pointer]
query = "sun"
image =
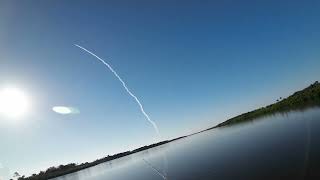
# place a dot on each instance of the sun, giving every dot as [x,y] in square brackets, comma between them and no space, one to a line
[13,103]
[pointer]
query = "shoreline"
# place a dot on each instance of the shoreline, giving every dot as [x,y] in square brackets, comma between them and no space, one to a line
[306,98]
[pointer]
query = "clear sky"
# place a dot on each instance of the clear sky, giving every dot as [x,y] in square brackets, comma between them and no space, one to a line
[193,64]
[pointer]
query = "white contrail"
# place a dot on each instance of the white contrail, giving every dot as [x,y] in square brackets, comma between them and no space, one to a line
[125,87]
[155,169]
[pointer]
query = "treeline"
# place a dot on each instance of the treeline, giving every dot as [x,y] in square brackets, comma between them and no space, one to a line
[61,170]
[305,98]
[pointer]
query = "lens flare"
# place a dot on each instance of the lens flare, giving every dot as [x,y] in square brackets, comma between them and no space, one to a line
[64,110]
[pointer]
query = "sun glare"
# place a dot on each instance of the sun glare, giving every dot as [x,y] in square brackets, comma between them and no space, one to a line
[13,103]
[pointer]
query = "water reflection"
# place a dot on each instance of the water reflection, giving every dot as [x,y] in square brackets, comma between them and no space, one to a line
[280,146]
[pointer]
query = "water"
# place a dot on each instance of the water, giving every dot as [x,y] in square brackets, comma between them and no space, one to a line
[281,146]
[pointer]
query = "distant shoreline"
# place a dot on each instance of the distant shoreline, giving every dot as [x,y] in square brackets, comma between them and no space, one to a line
[54,172]
[305,98]
[308,97]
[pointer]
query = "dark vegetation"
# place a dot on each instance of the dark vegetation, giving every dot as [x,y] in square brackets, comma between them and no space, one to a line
[61,170]
[305,98]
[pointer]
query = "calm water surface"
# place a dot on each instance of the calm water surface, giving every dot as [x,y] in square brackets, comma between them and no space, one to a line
[282,146]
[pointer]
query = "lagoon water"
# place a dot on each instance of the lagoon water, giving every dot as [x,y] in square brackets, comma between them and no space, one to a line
[281,146]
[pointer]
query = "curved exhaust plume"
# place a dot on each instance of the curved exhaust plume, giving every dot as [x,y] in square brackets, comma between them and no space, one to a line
[125,87]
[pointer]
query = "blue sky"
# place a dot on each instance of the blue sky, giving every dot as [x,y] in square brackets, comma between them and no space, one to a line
[193,64]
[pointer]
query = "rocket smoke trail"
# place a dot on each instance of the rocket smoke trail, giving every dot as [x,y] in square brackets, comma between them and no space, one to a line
[125,87]
[138,102]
